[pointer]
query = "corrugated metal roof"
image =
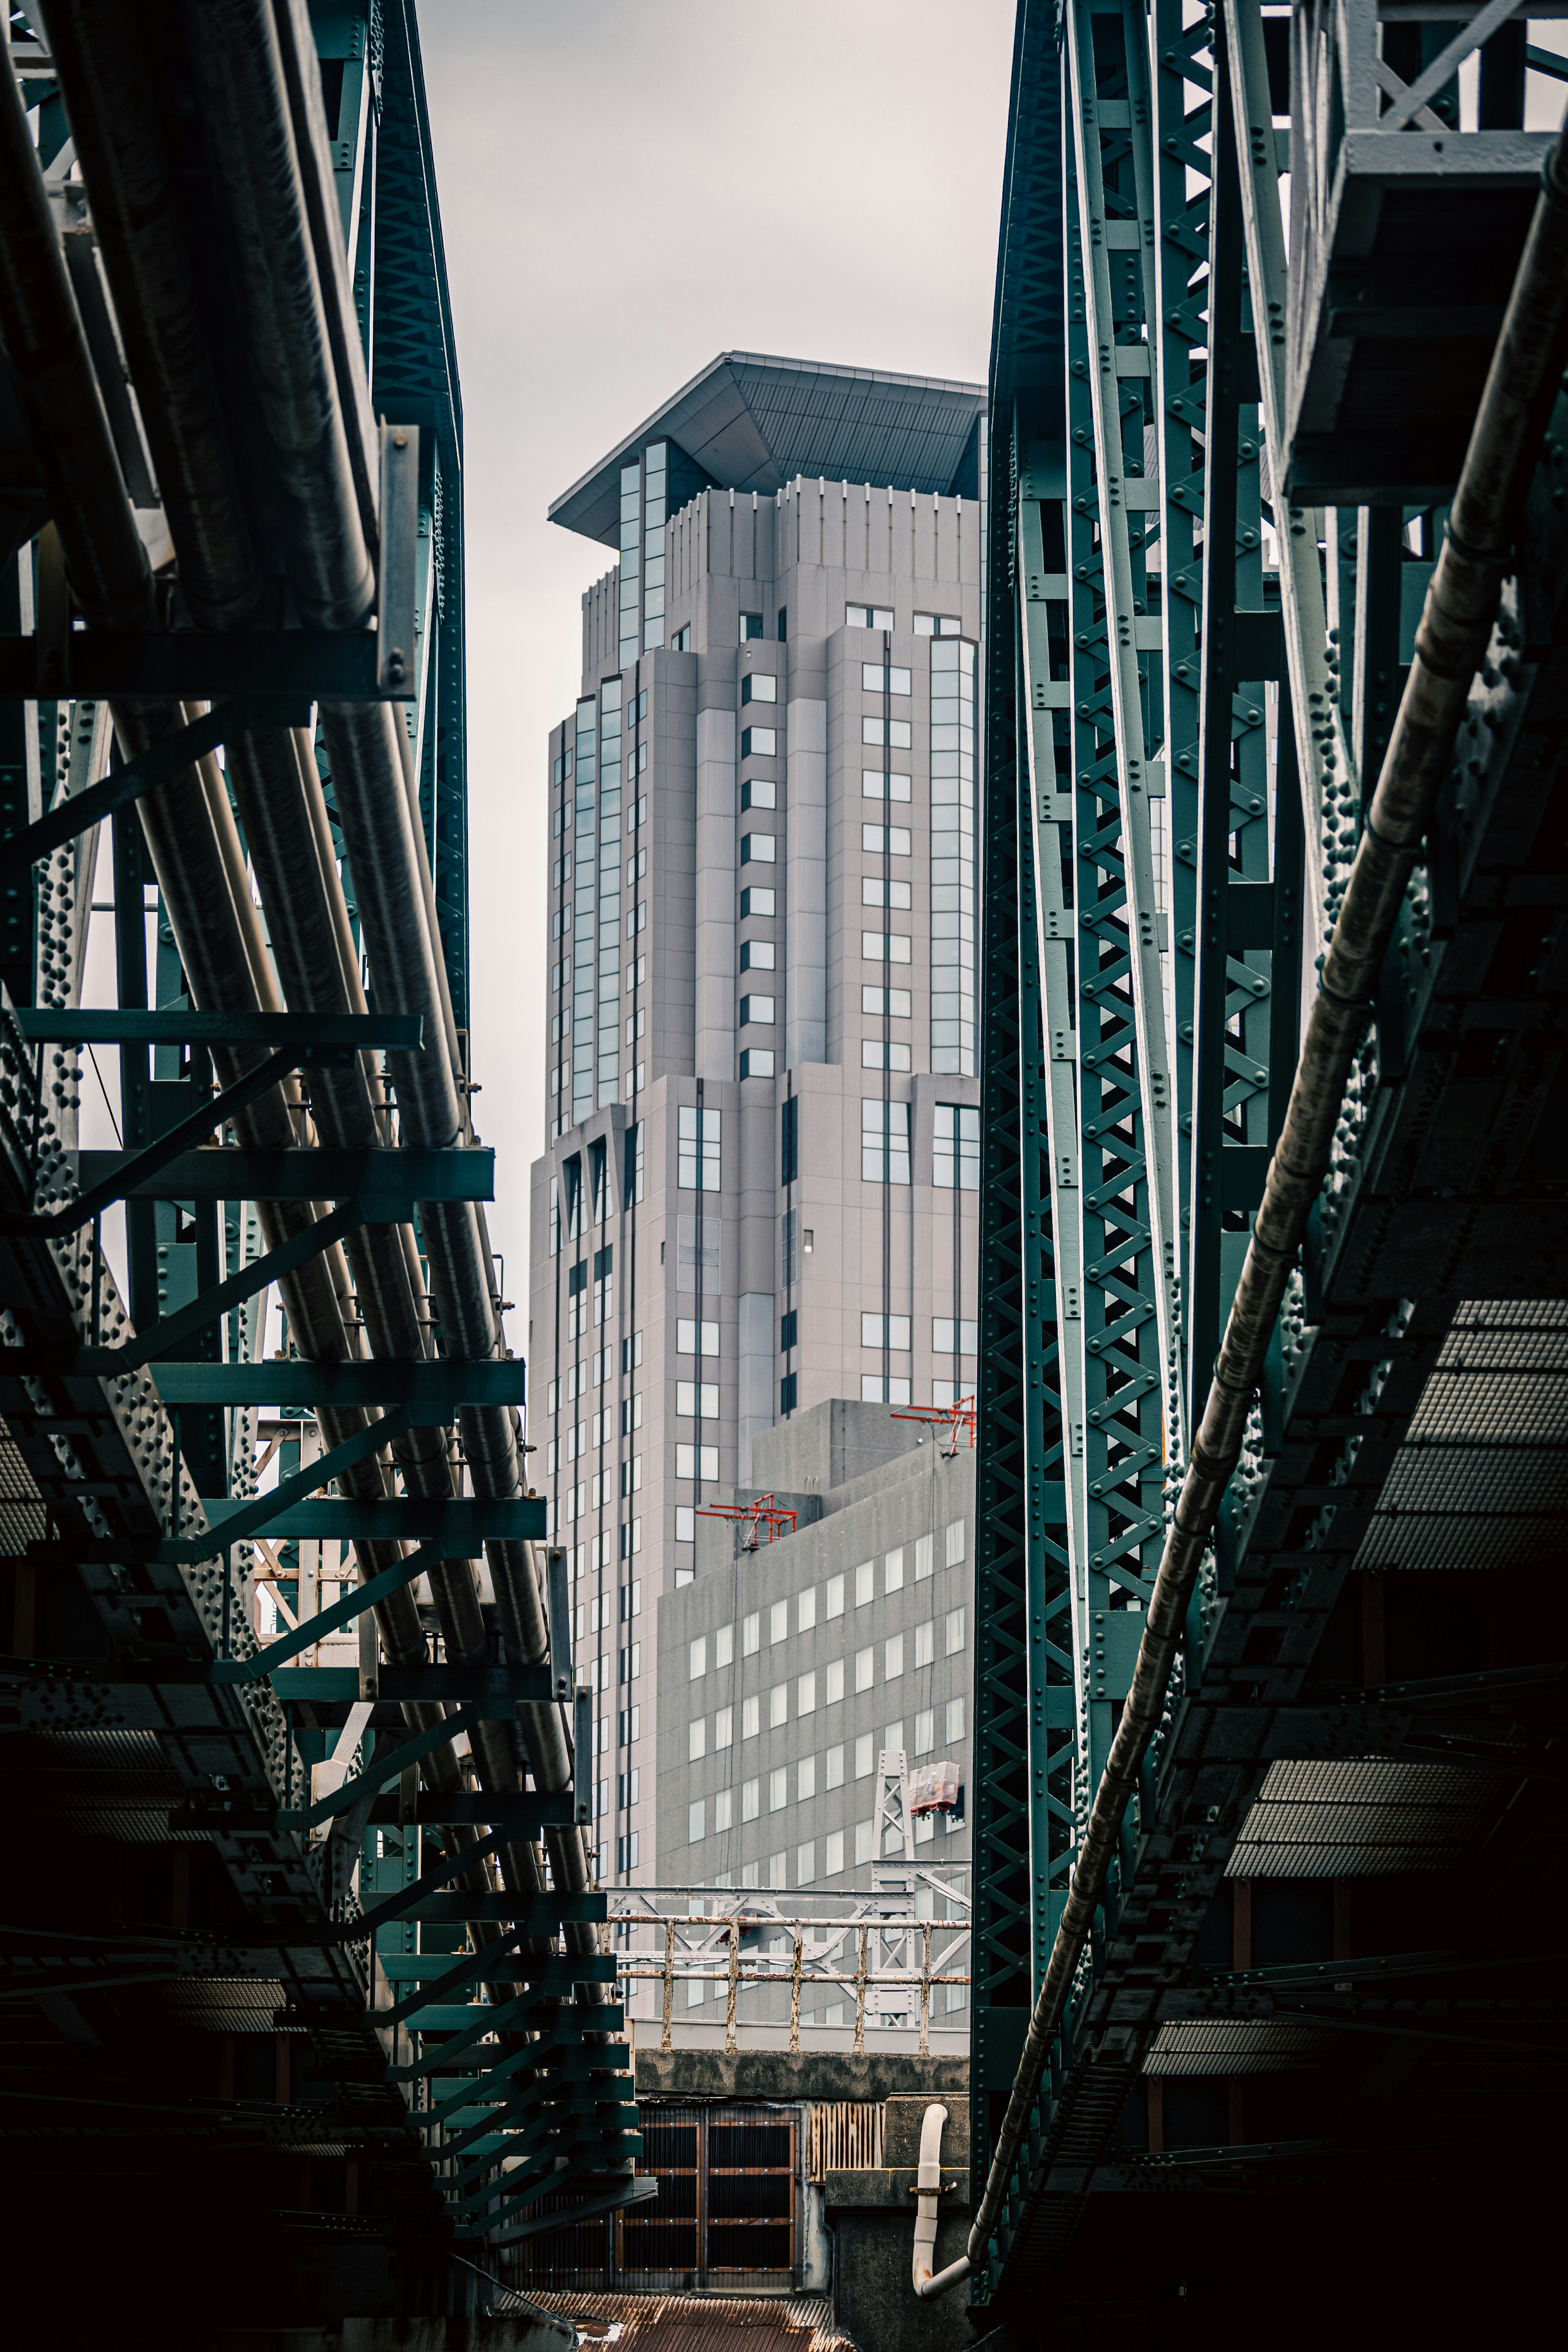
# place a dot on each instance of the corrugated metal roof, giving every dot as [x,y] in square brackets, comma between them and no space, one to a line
[1482,1478]
[1236,2046]
[1361,1817]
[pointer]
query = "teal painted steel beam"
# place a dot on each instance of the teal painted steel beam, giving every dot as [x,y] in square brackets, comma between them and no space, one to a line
[340,1032]
[438,1385]
[227,1172]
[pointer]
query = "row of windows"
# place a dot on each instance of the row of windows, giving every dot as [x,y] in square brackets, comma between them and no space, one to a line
[805,1875]
[808,1783]
[914,1649]
[948,1337]
[859,1582]
[879,616]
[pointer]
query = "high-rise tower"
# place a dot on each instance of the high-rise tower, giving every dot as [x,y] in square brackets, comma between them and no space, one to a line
[761,1185]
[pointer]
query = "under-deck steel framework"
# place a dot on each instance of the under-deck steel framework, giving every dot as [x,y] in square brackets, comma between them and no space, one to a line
[1220,479]
[301,1928]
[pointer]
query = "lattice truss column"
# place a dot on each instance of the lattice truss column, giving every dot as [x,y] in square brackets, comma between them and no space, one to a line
[1162,823]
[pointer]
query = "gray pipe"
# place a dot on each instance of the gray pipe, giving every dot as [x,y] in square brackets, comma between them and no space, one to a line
[104,52]
[249,136]
[1456,625]
[329,567]
[41,330]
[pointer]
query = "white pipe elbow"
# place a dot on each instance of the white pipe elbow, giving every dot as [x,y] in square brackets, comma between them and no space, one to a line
[928,2182]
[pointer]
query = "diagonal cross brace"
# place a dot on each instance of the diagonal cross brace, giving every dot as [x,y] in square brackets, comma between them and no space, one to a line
[148,769]
[142,1165]
[237,1527]
[375,1775]
[173,1330]
[342,1612]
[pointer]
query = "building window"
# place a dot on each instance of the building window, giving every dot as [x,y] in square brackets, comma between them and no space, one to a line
[685,1524]
[789,1392]
[757,901]
[789,1330]
[750,1800]
[925,1731]
[681,641]
[805,1862]
[952,1632]
[832,1853]
[759,685]
[627,1850]
[789,1142]
[868,617]
[956,1155]
[951,1338]
[884,1141]
[864,1842]
[888,1003]
[750,626]
[879,678]
[696,1821]
[886,1331]
[759,742]
[724,1806]
[759,955]
[763,1010]
[892,1391]
[697,1156]
[884,1053]
[758,1062]
[886,841]
[698,1397]
[751,1716]
[697,1462]
[875,892]
[696,1739]
[760,849]
[876,786]
[953,1729]
[937,624]
[778,1788]
[952,739]
[864,1672]
[953,1543]
[893,732]
[694,1338]
[884,947]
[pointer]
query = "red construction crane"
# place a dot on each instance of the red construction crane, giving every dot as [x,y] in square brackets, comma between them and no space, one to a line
[947,1417]
[753,1518]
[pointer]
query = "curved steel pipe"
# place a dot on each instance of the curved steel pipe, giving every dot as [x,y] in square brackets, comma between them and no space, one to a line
[41,329]
[104,52]
[1450,642]
[239,67]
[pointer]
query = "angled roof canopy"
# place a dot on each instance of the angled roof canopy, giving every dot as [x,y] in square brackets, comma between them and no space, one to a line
[752,423]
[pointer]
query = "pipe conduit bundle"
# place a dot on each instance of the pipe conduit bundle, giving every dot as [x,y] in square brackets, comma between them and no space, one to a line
[261,110]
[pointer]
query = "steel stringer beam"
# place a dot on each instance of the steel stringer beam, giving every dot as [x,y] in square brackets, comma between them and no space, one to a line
[1013,1509]
[1126,1338]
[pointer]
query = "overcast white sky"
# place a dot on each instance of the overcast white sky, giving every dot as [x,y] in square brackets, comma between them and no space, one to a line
[629,187]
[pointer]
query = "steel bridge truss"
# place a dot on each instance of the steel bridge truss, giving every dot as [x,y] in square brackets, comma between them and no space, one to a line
[1206,566]
[378,1862]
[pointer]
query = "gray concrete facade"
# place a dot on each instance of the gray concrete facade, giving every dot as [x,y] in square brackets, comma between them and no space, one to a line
[787,1670]
[761,1182]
